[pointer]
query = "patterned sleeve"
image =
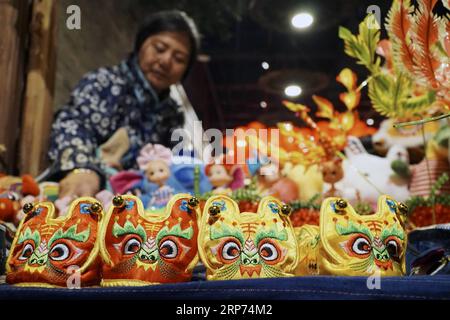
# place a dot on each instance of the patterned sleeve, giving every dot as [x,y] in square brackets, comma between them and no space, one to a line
[175,120]
[83,124]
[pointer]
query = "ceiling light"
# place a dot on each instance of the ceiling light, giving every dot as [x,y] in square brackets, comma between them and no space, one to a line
[265,65]
[302,20]
[288,126]
[293,91]
[263,104]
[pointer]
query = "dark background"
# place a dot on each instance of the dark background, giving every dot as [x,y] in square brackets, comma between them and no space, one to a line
[228,84]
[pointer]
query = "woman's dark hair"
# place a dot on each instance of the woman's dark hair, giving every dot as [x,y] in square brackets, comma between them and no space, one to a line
[175,21]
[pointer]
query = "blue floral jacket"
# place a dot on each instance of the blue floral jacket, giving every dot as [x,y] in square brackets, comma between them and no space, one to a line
[104,101]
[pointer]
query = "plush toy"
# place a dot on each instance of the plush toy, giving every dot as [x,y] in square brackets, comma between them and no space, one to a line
[224,177]
[140,249]
[270,180]
[188,175]
[155,160]
[273,183]
[367,176]
[235,245]
[349,244]
[150,183]
[47,251]
[332,172]
[178,176]
[12,191]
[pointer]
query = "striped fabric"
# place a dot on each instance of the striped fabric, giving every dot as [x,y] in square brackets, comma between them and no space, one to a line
[420,182]
[161,197]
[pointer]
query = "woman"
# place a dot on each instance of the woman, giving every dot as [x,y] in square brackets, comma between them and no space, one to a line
[133,95]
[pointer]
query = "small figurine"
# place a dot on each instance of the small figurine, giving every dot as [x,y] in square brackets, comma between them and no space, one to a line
[235,245]
[349,244]
[224,177]
[47,251]
[12,191]
[155,160]
[272,183]
[161,175]
[332,172]
[140,248]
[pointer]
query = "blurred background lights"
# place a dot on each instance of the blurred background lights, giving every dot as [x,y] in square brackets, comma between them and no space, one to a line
[293,90]
[241,143]
[263,104]
[302,20]
[265,65]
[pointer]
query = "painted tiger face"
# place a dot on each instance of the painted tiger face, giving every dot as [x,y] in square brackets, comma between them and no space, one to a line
[140,248]
[351,244]
[47,250]
[235,245]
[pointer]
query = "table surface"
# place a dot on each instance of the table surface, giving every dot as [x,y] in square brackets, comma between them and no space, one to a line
[296,288]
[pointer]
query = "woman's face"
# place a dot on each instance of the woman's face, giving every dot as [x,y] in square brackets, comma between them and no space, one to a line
[164,58]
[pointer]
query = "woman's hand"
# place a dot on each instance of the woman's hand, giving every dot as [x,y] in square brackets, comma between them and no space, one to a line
[79,183]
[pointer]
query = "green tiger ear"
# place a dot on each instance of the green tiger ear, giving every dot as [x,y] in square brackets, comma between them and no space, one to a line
[394,231]
[222,230]
[129,228]
[28,235]
[272,233]
[71,234]
[353,228]
[175,231]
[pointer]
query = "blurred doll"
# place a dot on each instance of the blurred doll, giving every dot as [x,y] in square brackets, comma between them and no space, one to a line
[155,160]
[332,173]
[12,191]
[224,177]
[272,183]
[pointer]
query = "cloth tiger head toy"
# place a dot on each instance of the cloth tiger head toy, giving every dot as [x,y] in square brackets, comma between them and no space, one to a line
[349,244]
[139,247]
[235,245]
[49,251]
